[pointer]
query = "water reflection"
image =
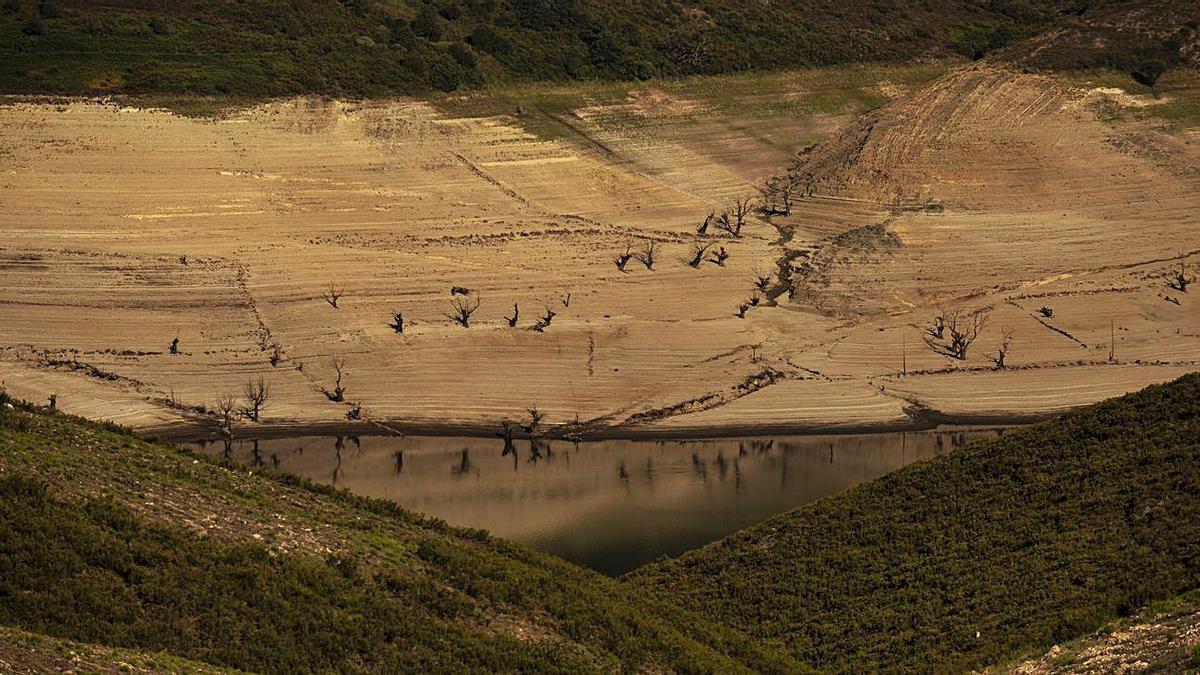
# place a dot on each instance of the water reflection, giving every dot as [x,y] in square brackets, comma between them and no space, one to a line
[610,505]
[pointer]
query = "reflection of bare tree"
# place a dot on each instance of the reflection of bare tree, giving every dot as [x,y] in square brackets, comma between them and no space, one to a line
[398,458]
[722,466]
[338,444]
[783,471]
[255,456]
[464,465]
[537,448]
[275,461]
[699,466]
[622,472]
[509,446]
[737,475]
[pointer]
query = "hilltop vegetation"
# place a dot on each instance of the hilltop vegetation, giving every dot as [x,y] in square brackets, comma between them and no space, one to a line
[968,559]
[383,47]
[108,539]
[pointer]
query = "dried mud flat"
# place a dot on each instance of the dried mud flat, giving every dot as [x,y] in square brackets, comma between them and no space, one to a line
[123,228]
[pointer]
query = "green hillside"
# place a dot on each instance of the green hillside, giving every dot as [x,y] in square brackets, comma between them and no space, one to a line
[974,557]
[115,541]
[128,546]
[380,47]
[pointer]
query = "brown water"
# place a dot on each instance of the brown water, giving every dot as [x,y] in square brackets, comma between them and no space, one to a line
[609,505]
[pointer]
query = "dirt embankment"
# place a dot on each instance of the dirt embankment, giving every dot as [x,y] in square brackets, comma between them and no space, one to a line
[123,229]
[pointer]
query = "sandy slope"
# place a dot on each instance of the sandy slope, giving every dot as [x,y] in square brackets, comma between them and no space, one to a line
[122,228]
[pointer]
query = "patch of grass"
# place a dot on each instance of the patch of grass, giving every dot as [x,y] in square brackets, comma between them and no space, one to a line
[1026,541]
[549,109]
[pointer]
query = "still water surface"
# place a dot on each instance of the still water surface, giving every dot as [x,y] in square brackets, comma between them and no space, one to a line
[610,505]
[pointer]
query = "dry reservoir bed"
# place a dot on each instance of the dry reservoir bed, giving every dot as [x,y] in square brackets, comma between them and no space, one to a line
[123,228]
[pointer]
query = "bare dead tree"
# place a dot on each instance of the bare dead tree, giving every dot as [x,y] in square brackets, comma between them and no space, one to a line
[742,206]
[761,281]
[623,259]
[777,195]
[175,345]
[1180,280]
[462,309]
[225,406]
[937,331]
[698,252]
[355,412]
[275,357]
[703,229]
[1046,312]
[397,324]
[512,320]
[535,420]
[544,321]
[332,294]
[648,254]
[726,224]
[338,393]
[720,256]
[741,310]
[566,301]
[52,402]
[256,392]
[754,300]
[964,329]
[1006,339]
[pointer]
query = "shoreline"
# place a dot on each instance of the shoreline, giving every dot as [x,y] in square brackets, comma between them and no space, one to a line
[195,433]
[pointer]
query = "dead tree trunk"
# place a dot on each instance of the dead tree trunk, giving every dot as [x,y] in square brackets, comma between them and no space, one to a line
[397,323]
[698,255]
[742,207]
[332,294]
[256,392]
[338,394]
[226,404]
[462,309]
[1181,280]
[623,259]
[762,282]
[512,320]
[720,257]
[544,322]
[648,254]
[1006,338]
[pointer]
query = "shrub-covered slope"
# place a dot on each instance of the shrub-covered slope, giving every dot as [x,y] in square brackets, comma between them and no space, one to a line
[993,550]
[112,540]
[379,47]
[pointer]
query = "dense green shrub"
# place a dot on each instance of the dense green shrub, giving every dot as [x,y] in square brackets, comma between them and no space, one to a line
[959,562]
[377,47]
